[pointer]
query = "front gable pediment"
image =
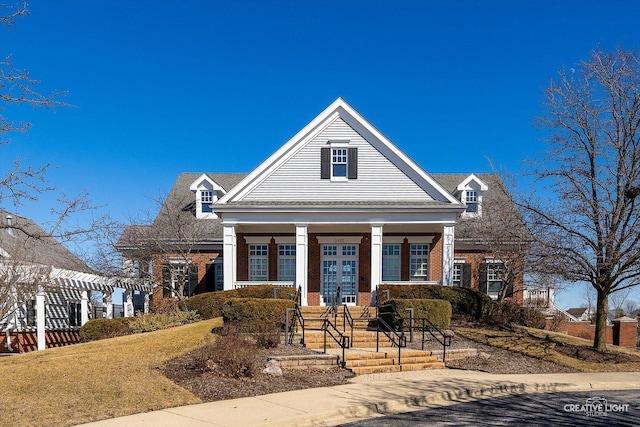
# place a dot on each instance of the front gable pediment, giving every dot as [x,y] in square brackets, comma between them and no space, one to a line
[298,171]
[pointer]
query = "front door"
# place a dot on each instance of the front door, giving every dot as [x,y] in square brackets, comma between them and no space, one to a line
[339,269]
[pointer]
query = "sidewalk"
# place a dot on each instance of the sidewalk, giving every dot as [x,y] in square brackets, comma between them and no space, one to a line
[368,396]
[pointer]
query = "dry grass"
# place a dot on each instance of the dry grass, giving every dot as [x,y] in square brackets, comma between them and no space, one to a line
[97,380]
[545,344]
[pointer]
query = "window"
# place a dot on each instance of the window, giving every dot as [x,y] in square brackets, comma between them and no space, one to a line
[206,198]
[419,262]
[494,278]
[339,163]
[287,263]
[258,263]
[471,200]
[457,274]
[390,263]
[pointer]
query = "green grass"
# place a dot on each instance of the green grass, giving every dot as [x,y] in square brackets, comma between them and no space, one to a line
[97,380]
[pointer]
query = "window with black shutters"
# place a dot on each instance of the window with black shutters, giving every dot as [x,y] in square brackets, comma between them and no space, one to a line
[339,163]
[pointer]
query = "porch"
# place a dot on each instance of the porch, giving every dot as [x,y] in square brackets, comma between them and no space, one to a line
[322,258]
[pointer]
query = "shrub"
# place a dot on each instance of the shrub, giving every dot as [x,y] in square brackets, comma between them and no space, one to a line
[209,305]
[231,354]
[153,322]
[507,313]
[437,311]
[463,300]
[99,329]
[267,292]
[267,311]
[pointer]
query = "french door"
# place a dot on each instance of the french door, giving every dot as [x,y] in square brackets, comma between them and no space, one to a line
[339,265]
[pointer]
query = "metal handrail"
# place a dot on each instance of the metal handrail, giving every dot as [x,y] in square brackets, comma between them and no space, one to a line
[296,319]
[341,339]
[389,332]
[429,326]
[347,318]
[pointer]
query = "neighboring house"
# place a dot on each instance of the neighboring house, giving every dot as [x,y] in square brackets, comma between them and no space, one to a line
[338,206]
[45,290]
[580,314]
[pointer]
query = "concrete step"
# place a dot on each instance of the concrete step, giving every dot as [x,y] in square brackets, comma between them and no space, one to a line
[369,362]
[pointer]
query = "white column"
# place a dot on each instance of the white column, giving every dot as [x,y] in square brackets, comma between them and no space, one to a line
[41,319]
[230,255]
[376,256]
[146,302]
[447,255]
[84,308]
[108,301]
[302,260]
[128,305]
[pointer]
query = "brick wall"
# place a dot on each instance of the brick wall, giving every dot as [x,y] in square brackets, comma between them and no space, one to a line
[435,259]
[625,332]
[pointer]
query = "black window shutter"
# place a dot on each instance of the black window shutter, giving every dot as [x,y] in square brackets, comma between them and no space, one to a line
[210,278]
[166,282]
[353,163]
[192,284]
[466,276]
[482,282]
[325,163]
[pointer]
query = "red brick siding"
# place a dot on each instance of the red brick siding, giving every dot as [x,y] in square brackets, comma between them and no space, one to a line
[435,259]
[28,340]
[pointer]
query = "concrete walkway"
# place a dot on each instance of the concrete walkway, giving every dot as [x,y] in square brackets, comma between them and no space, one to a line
[368,396]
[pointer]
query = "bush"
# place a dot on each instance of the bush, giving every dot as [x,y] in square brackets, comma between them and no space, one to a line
[231,354]
[209,305]
[99,329]
[437,311]
[464,301]
[153,322]
[507,313]
[267,311]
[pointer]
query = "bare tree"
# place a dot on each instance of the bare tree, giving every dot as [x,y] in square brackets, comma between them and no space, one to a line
[587,223]
[20,268]
[501,232]
[168,243]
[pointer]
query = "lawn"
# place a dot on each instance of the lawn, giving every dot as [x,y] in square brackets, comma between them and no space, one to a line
[576,353]
[97,380]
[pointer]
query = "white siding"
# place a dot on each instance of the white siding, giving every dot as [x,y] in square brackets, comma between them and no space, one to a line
[298,179]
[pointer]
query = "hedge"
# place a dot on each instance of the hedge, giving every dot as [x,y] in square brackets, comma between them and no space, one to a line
[462,300]
[436,310]
[99,329]
[209,305]
[267,311]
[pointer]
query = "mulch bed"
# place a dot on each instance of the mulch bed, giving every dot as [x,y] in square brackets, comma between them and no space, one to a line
[213,383]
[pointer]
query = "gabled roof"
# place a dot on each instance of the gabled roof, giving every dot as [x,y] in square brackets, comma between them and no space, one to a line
[182,199]
[27,242]
[472,178]
[495,195]
[339,109]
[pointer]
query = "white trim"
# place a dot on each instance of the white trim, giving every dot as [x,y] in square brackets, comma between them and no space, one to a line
[420,239]
[464,185]
[339,108]
[377,241]
[230,256]
[447,255]
[339,240]
[283,240]
[257,240]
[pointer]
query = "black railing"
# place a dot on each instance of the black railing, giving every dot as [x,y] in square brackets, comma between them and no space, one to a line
[296,319]
[397,338]
[343,341]
[442,337]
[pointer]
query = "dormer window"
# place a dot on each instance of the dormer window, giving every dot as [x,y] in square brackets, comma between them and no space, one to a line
[206,198]
[339,162]
[471,200]
[207,192]
[470,192]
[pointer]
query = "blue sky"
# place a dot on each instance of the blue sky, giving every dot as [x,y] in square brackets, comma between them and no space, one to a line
[163,87]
